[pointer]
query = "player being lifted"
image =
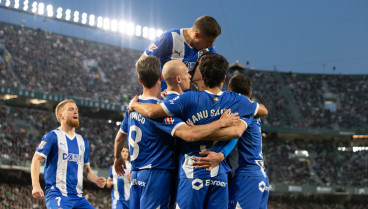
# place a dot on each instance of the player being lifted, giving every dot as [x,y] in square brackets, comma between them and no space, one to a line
[67,162]
[185,44]
[151,148]
[198,187]
[120,184]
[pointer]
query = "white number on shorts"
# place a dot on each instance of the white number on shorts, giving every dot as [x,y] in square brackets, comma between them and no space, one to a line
[134,142]
[59,199]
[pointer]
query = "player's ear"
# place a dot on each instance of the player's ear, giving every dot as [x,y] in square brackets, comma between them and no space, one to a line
[161,77]
[250,94]
[139,79]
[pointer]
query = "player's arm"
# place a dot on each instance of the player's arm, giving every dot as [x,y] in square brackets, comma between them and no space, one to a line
[228,133]
[262,111]
[37,191]
[88,174]
[109,183]
[119,161]
[147,109]
[191,133]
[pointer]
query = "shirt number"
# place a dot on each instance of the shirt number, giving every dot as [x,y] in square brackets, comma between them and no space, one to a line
[134,142]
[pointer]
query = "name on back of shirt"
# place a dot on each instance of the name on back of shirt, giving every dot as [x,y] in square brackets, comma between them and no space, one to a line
[138,117]
[204,114]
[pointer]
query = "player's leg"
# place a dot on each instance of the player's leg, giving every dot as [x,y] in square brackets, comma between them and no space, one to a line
[60,201]
[217,195]
[191,193]
[135,191]
[157,188]
[82,203]
[247,191]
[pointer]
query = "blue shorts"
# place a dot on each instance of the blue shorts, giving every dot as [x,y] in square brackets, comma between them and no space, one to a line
[203,193]
[150,189]
[120,204]
[248,192]
[60,201]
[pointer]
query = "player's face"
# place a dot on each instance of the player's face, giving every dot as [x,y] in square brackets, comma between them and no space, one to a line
[204,42]
[185,78]
[70,115]
[197,77]
[125,153]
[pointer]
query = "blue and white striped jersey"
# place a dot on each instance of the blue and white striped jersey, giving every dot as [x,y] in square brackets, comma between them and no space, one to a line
[171,45]
[203,107]
[66,157]
[121,186]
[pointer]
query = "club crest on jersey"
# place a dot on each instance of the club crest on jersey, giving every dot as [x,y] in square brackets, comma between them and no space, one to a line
[41,145]
[169,120]
[81,147]
[216,99]
[152,47]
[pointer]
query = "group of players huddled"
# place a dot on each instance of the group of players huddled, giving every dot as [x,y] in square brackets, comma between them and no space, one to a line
[180,132]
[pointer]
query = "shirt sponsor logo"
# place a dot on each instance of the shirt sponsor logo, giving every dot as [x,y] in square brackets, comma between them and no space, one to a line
[197,184]
[139,183]
[262,186]
[73,157]
[41,145]
[152,47]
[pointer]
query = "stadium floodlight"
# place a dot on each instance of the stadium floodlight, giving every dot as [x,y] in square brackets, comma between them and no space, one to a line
[122,26]
[158,33]
[84,18]
[59,12]
[130,29]
[50,10]
[106,23]
[92,20]
[67,14]
[114,25]
[25,5]
[76,16]
[34,7]
[145,32]
[7,3]
[152,33]
[138,30]
[41,8]
[99,22]
[16,4]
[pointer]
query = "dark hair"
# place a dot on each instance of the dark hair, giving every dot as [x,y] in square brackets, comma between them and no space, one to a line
[204,52]
[240,84]
[208,26]
[213,68]
[148,70]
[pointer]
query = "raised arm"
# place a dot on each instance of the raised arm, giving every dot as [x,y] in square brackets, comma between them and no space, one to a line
[37,191]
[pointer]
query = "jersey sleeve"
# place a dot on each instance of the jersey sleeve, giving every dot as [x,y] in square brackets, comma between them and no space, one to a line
[124,124]
[86,152]
[160,47]
[47,141]
[247,107]
[110,174]
[168,124]
[176,107]
[228,147]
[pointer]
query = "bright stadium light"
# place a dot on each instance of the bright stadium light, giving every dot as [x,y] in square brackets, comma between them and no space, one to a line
[67,14]
[152,33]
[158,33]
[25,5]
[145,32]
[122,27]
[91,20]
[34,7]
[50,10]
[16,4]
[114,25]
[76,16]
[99,22]
[41,8]
[84,18]
[106,23]
[59,12]
[138,30]
[7,3]
[130,29]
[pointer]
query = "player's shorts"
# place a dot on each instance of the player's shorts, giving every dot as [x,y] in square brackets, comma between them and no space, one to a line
[56,202]
[203,193]
[150,189]
[120,204]
[250,192]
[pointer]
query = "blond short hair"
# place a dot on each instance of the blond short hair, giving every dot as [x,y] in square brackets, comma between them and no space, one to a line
[61,106]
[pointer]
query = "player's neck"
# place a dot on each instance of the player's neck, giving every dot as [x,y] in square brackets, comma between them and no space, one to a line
[68,129]
[177,89]
[152,92]
[214,90]
[188,36]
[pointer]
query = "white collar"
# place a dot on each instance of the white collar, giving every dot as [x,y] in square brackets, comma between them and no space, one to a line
[172,92]
[149,98]
[70,137]
[218,94]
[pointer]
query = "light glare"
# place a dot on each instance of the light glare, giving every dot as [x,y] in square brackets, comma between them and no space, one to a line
[99,22]
[91,20]
[67,14]
[106,23]
[152,33]
[84,18]
[114,25]
[41,8]
[138,30]
[50,10]
[59,12]
[76,16]
[145,32]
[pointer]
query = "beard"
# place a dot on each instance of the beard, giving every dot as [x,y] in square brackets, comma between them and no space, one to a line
[72,123]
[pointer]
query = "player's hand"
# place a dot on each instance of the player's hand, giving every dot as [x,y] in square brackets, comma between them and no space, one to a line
[118,166]
[101,182]
[128,176]
[130,107]
[211,160]
[163,94]
[227,119]
[37,192]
